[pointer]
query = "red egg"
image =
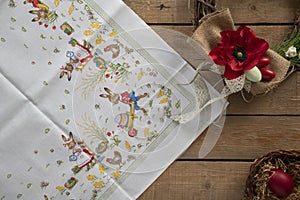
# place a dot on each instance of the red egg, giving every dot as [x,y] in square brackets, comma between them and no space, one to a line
[280,183]
[267,73]
[263,62]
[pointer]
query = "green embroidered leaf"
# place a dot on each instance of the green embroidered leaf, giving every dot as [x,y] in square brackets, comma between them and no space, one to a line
[9,176]
[56,50]
[67,121]
[24,29]
[45,83]
[29,169]
[3,39]
[29,185]
[25,45]
[47,130]
[13,19]
[67,91]
[177,105]
[19,196]
[59,162]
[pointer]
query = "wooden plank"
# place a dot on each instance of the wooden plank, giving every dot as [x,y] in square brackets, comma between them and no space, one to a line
[272,34]
[257,11]
[249,137]
[190,180]
[162,12]
[284,100]
[187,30]
[253,11]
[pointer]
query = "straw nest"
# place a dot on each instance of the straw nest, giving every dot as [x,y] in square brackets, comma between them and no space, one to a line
[256,184]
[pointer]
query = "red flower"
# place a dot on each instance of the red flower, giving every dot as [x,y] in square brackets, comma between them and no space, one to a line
[238,51]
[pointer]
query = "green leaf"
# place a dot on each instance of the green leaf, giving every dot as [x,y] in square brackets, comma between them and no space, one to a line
[13,19]
[9,176]
[24,29]
[19,196]
[67,91]
[29,185]
[67,121]
[45,83]
[47,130]
[3,39]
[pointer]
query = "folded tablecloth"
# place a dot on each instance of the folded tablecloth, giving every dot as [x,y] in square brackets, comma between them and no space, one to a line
[87,92]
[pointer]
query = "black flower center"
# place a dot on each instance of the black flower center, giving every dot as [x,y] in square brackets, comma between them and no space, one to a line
[239,54]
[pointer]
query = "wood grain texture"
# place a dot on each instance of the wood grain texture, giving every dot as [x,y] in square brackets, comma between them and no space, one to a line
[272,34]
[249,12]
[284,100]
[187,30]
[249,137]
[191,180]
[258,11]
[162,12]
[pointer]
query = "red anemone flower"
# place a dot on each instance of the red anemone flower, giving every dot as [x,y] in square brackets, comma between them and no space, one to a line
[238,51]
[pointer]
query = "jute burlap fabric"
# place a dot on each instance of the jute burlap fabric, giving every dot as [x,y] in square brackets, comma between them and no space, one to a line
[208,35]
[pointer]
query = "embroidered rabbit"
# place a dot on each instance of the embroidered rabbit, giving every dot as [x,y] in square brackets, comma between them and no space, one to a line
[42,14]
[67,70]
[80,154]
[124,97]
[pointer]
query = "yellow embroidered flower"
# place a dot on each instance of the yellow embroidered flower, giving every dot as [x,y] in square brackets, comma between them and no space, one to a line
[91,177]
[113,34]
[56,3]
[95,25]
[161,93]
[146,132]
[164,100]
[60,188]
[140,75]
[99,39]
[71,8]
[101,169]
[88,32]
[116,174]
[98,184]
[128,146]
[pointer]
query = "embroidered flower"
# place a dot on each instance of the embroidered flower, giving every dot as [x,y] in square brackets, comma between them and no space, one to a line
[291,52]
[238,51]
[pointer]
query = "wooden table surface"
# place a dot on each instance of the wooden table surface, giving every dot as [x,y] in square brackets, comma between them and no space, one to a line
[251,130]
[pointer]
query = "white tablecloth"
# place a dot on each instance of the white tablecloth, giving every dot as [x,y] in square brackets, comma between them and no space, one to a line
[87,91]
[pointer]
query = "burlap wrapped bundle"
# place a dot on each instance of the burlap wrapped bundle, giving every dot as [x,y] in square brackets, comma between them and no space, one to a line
[208,35]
